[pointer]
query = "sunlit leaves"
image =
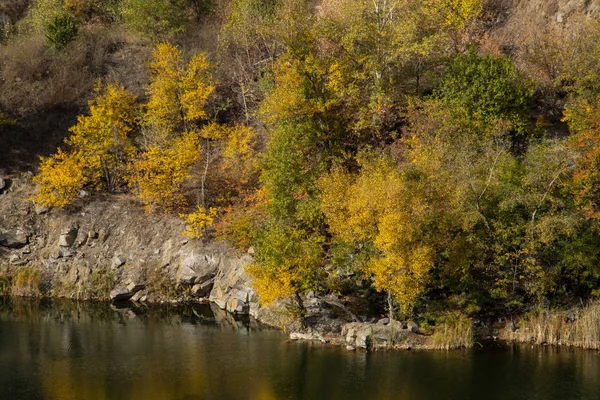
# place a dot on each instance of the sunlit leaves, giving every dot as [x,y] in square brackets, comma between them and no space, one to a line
[289,261]
[101,145]
[178,91]
[158,173]
[380,207]
[198,222]
[61,176]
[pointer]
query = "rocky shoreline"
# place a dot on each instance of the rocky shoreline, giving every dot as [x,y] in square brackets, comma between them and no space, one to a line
[109,249]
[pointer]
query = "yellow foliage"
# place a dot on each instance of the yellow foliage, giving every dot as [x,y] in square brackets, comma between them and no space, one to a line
[103,136]
[403,274]
[454,14]
[288,261]
[77,7]
[158,173]
[178,91]
[196,86]
[100,149]
[60,178]
[239,154]
[376,207]
[213,131]
[197,222]
[300,90]
[270,284]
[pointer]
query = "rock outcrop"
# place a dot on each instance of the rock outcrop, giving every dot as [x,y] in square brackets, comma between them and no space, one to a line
[14,238]
[372,336]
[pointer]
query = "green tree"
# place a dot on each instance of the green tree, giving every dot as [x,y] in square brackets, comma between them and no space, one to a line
[155,19]
[489,88]
[61,31]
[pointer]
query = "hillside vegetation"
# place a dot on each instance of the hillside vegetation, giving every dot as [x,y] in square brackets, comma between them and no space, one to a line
[431,157]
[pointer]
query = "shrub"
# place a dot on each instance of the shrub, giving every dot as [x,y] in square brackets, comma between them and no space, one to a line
[61,31]
[155,19]
[40,15]
[99,284]
[60,178]
[101,149]
[198,222]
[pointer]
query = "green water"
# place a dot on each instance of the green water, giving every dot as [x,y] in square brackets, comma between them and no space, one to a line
[87,351]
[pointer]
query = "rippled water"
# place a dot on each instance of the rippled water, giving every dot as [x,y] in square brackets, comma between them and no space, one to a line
[86,351]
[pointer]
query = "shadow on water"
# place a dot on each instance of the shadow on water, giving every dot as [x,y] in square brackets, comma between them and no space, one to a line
[70,350]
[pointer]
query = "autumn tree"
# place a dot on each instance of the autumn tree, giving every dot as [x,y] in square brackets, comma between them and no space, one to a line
[582,117]
[178,92]
[248,48]
[158,173]
[381,208]
[101,145]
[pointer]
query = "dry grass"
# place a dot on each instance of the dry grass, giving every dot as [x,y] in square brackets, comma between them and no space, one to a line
[454,331]
[5,283]
[576,328]
[26,283]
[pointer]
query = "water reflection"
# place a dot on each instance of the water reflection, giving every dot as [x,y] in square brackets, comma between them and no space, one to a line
[68,350]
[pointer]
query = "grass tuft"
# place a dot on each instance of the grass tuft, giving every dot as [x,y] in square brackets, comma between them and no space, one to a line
[576,328]
[453,331]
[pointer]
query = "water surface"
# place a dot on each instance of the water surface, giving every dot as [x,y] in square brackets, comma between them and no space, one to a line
[67,350]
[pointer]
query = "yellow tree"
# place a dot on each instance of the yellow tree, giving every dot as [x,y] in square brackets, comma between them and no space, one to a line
[583,117]
[104,137]
[178,92]
[60,178]
[378,207]
[158,173]
[380,49]
[100,148]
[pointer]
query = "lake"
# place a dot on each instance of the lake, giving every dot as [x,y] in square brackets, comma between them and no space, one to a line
[69,350]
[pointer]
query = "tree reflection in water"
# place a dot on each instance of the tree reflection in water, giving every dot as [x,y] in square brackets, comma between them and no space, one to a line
[69,350]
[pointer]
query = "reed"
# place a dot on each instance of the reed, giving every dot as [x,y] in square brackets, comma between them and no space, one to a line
[453,331]
[5,283]
[26,282]
[576,328]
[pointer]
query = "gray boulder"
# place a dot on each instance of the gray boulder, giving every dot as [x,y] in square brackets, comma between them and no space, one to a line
[367,335]
[135,287]
[196,268]
[412,327]
[40,210]
[68,236]
[14,239]
[64,252]
[232,289]
[117,261]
